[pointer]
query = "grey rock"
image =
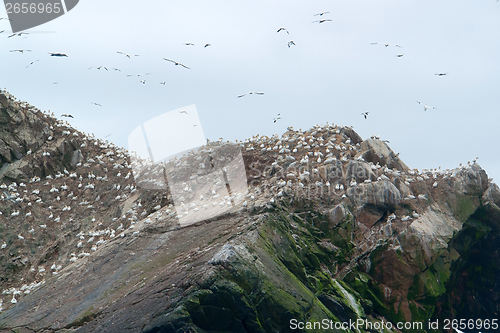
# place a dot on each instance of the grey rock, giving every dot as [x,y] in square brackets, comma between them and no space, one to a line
[360,171]
[377,151]
[76,157]
[338,214]
[380,193]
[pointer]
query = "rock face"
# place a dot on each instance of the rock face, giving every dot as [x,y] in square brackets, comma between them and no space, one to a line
[85,249]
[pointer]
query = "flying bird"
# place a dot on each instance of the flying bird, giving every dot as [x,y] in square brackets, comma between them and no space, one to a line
[10,197]
[399,55]
[207,45]
[321,14]
[290,43]
[97,104]
[321,21]
[387,44]
[138,74]
[5,18]
[250,93]
[21,51]
[189,44]
[283,29]
[67,115]
[183,111]
[143,81]
[31,63]
[99,67]
[58,54]
[426,106]
[176,63]
[127,55]
[441,74]
[277,117]
[116,69]
[18,34]
[162,82]
[365,114]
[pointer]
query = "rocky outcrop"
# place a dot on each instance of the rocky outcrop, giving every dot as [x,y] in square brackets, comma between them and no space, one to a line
[25,130]
[306,244]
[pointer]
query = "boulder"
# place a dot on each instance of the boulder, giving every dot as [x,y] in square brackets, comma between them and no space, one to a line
[381,193]
[376,151]
[337,214]
[360,171]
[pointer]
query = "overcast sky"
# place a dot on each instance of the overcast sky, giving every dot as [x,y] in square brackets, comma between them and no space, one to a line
[332,74]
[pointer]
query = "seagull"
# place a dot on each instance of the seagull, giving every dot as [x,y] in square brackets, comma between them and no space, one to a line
[207,45]
[138,74]
[387,44]
[283,29]
[277,117]
[189,44]
[97,104]
[5,18]
[18,34]
[31,63]
[22,51]
[58,54]
[176,63]
[183,111]
[10,197]
[250,93]
[67,115]
[99,68]
[290,43]
[426,106]
[365,114]
[399,55]
[127,55]
[162,82]
[321,21]
[441,74]
[321,14]
[116,69]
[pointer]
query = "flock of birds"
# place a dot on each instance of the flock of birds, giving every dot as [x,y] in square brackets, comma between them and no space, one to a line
[322,18]
[176,63]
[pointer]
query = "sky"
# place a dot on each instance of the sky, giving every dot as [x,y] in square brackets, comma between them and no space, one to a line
[332,74]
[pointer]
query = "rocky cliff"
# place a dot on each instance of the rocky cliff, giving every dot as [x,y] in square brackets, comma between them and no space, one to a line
[333,230]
